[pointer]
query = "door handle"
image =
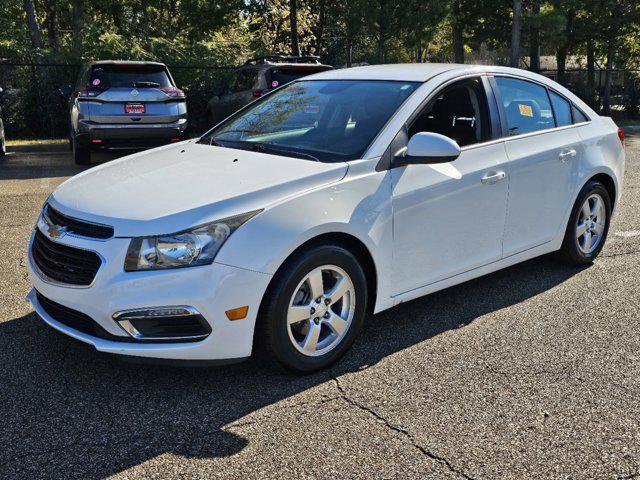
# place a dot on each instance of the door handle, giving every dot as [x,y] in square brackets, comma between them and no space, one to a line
[493,177]
[564,156]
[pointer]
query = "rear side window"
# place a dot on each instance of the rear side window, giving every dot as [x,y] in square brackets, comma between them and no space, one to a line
[129,76]
[561,109]
[526,105]
[578,116]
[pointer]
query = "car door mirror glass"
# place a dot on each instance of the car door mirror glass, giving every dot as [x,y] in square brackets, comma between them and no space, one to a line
[428,148]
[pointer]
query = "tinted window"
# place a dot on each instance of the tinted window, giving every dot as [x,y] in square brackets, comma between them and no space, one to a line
[129,75]
[282,76]
[459,112]
[526,105]
[561,109]
[243,81]
[578,116]
[329,120]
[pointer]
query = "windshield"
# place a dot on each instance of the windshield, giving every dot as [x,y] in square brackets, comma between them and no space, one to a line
[127,75]
[326,120]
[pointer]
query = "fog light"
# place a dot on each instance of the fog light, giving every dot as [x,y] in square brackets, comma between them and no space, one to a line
[167,324]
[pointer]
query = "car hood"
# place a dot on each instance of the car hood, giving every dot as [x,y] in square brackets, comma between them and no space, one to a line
[171,188]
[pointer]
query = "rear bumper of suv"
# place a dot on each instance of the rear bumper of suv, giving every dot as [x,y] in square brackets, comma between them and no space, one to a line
[129,136]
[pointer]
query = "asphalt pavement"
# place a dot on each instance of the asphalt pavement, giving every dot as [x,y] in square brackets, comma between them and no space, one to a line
[531,372]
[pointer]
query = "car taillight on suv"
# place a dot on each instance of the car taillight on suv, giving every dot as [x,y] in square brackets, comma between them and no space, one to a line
[173,92]
[621,136]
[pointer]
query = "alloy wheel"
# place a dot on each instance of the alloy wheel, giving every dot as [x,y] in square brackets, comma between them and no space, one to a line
[591,224]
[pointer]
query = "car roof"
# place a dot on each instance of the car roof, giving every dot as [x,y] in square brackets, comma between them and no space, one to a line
[126,62]
[418,72]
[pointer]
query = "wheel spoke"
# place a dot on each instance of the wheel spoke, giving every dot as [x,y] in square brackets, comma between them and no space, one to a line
[298,313]
[315,283]
[337,324]
[311,340]
[586,210]
[597,205]
[587,242]
[339,290]
[598,228]
[581,229]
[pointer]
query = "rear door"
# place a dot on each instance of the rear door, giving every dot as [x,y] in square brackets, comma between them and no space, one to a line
[133,93]
[543,150]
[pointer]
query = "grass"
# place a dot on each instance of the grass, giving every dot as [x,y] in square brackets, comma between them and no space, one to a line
[33,141]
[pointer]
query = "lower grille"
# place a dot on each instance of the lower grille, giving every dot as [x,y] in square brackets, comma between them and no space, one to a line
[63,263]
[77,320]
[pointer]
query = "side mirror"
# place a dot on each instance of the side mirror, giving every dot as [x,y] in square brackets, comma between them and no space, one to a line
[65,90]
[427,148]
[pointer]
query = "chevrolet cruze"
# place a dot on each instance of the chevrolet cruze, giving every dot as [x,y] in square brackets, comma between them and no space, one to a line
[338,195]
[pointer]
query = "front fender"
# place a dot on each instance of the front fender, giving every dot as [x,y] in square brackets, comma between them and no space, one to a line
[358,205]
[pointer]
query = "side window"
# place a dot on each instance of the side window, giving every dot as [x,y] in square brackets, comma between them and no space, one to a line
[243,81]
[561,109]
[458,112]
[578,116]
[526,105]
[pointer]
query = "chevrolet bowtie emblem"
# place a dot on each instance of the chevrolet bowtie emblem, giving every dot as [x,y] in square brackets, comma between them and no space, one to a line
[54,232]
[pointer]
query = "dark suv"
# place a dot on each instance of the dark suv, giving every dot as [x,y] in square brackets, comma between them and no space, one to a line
[124,105]
[257,77]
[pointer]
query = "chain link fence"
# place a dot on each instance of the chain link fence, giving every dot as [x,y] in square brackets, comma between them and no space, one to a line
[33,107]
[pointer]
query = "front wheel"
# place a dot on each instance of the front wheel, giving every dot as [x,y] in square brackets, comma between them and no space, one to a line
[588,225]
[314,309]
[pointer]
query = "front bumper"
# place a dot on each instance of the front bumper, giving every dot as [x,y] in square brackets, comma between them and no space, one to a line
[211,289]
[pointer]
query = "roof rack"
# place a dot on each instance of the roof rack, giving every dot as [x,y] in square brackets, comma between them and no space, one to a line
[282,59]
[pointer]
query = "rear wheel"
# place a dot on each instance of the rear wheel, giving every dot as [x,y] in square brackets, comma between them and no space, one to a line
[3,147]
[314,309]
[588,225]
[81,154]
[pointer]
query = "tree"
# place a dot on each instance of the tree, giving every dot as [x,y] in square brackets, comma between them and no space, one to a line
[515,33]
[458,33]
[293,21]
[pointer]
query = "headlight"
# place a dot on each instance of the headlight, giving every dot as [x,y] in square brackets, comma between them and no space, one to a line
[197,246]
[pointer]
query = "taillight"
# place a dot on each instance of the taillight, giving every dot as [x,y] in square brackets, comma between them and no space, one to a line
[257,93]
[621,136]
[173,92]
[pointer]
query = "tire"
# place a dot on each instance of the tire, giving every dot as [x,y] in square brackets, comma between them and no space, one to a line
[573,248]
[3,147]
[81,154]
[277,340]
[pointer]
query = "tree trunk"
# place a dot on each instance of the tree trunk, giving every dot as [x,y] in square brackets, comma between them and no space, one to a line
[458,34]
[606,97]
[321,20]
[349,52]
[293,20]
[53,24]
[534,39]
[516,30]
[561,60]
[591,73]
[77,26]
[34,29]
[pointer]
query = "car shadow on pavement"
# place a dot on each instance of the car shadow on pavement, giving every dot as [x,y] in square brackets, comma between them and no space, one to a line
[70,412]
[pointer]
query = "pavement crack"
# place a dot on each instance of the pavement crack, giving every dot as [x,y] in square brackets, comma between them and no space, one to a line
[425,451]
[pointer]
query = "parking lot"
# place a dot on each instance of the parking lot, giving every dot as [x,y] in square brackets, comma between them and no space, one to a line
[532,372]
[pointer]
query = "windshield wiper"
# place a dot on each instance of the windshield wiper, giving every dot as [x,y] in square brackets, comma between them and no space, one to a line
[145,84]
[266,148]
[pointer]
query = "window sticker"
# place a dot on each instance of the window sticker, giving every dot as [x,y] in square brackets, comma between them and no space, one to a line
[274,84]
[96,81]
[525,110]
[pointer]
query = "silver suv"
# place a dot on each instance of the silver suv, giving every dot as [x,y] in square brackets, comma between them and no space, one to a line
[124,105]
[257,77]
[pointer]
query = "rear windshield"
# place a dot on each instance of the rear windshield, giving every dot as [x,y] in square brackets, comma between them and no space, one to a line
[282,76]
[108,76]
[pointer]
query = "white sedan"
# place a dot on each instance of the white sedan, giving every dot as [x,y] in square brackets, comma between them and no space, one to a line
[339,195]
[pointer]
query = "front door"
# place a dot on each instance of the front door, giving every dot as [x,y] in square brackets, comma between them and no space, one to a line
[449,218]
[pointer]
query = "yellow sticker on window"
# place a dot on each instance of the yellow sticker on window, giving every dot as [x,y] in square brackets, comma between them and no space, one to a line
[525,110]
